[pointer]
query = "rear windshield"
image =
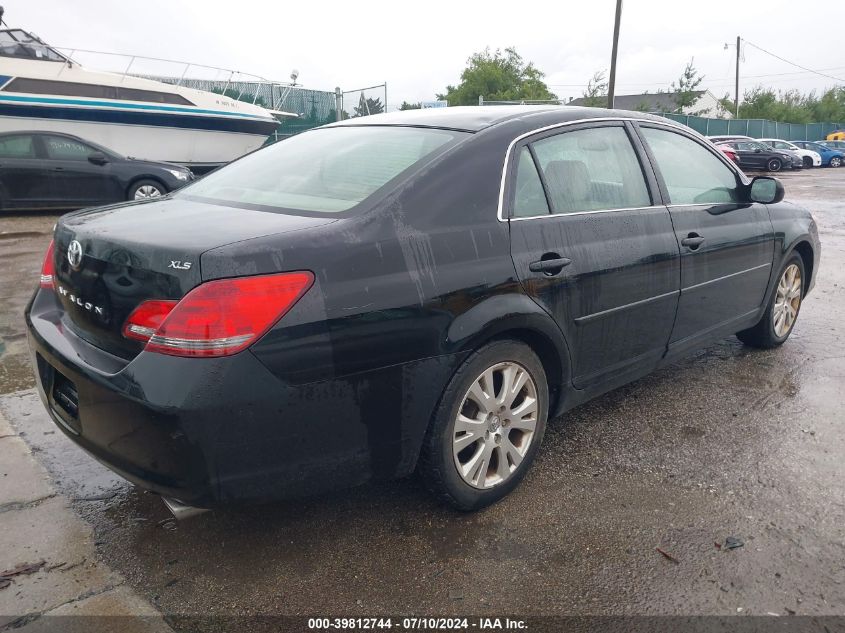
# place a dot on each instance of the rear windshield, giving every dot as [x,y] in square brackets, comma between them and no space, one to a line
[327,170]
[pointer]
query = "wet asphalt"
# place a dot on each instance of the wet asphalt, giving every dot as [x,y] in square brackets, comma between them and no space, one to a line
[731,442]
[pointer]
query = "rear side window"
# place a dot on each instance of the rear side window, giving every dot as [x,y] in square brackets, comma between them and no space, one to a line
[592,169]
[59,148]
[529,197]
[327,170]
[17,147]
[692,173]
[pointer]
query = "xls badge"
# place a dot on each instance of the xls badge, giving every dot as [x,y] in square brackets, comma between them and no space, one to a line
[74,254]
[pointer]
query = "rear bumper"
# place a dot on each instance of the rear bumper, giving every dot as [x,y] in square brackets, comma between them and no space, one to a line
[211,431]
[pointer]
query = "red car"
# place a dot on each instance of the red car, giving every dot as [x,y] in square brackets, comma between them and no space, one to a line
[728,151]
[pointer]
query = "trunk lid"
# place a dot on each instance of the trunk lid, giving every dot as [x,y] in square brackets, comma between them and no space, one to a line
[109,260]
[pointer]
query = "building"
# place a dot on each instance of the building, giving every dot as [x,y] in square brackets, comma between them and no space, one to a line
[706,104]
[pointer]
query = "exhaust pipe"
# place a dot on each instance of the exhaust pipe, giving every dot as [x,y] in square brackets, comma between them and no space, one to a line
[181,511]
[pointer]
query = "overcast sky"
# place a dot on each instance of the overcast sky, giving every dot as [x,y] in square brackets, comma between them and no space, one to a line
[419,47]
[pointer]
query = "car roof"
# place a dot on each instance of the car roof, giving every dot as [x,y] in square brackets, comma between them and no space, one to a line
[477,118]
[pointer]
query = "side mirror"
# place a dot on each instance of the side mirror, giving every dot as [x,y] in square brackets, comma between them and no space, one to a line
[757,150]
[98,158]
[766,190]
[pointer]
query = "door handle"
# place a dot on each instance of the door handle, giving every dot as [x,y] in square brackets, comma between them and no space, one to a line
[692,241]
[551,266]
[58,168]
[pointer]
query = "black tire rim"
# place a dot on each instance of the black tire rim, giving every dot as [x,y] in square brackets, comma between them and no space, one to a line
[774,165]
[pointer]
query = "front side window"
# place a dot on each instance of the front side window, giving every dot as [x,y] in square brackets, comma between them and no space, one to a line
[17,147]
[590,170]
[692,173]
[326,170]
[59,148]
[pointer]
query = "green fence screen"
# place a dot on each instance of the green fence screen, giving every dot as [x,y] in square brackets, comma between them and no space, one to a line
[757,128]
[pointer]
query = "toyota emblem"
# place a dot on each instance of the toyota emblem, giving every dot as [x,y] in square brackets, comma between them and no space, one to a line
[74,254]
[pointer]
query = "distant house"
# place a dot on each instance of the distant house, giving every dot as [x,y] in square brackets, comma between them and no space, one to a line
[705,105]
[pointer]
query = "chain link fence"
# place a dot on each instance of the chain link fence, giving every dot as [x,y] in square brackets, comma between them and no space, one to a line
[311,108]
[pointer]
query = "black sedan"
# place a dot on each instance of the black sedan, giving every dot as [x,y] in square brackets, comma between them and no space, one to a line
[49,170]
[412,291]
[758,156]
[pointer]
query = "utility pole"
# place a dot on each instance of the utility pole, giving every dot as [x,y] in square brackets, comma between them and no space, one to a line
[611,84]
[338,104]
[736,85]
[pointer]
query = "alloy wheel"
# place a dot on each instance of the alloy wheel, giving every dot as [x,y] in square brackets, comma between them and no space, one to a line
[835,161]
[495,425]
[787,300]
[774,165]
[147,191]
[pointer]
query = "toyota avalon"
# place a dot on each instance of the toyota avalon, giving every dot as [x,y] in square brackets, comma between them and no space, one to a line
[416,291]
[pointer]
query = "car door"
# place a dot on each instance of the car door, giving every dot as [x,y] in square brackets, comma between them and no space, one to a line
[750,157]
[24,182]
[76,181]
[593,248]
[727,243]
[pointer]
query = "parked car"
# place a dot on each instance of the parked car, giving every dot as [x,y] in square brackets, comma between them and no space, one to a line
[838,135]
[840,145]
[49,170]
[418,290]
[809,157]
[758,156]
[729,152]
[720,138]
[830,157]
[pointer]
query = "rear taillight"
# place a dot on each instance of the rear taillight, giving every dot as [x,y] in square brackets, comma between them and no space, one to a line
[217,318]
[48,268]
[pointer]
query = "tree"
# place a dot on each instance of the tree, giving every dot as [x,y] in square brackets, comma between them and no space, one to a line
[410,106]
[595,96]
[726,104]
[645,105]
[498,76]
[685,91]
[367,106]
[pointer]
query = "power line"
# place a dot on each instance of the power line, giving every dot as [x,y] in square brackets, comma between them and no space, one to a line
[809,70]
[720,79]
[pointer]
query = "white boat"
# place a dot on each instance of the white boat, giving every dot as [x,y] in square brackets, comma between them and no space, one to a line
[42,88]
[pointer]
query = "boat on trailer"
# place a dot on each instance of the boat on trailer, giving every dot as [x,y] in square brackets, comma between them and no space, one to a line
[42,88]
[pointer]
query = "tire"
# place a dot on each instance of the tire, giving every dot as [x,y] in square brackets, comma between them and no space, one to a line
[774,164]
[768,333]
[145,190]
[808,162]
[836,161]
[496,438]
